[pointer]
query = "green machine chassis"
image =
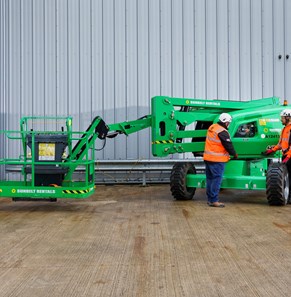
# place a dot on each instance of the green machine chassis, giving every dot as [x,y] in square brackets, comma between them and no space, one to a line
[178,125]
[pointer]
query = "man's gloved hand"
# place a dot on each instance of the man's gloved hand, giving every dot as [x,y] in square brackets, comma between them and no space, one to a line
[285,160]
[235,156]
[268,152]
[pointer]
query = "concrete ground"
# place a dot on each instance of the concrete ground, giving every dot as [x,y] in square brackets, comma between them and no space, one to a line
[137,241]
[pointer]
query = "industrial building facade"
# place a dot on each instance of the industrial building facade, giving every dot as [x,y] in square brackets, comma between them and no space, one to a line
[109,57]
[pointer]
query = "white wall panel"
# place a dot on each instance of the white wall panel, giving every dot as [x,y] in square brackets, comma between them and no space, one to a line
[3,78]
[166,48]
[267,48]
[177,49]
[85,111]
[143,95]
[245,49]
[188,49]
[14,72]
[109,57]
[256,58]
[222,50]
[278,43]
[200,49]
[2,66]
[97,57]
[234,50]
[211,49]
[287,52]
[67,31]
[120,96]
[50,51]
[154,48]
[38,65]
[131,73]
[72,64]
[26,67]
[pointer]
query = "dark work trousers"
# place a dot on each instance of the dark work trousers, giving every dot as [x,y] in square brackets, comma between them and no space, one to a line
[214,173]
[288,165]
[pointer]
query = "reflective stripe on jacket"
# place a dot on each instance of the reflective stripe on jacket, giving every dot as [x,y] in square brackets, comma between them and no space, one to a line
[214,150]
[284,141]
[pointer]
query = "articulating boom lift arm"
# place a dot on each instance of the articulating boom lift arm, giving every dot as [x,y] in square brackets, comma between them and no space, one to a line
[178,125]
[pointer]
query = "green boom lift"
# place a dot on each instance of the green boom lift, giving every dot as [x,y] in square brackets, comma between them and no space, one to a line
[51,157]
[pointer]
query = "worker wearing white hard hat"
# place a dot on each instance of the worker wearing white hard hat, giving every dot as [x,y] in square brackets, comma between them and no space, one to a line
[284,143]
[218,148]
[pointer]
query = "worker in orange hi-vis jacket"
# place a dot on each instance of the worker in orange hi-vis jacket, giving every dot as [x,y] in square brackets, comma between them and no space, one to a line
[284,143]
[218,148]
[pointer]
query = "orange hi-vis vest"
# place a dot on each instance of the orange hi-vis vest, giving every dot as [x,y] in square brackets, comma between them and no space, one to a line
[283,143]
[214,150]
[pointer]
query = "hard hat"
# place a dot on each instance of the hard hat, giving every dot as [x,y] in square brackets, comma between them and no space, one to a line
[286,113]
[225,117]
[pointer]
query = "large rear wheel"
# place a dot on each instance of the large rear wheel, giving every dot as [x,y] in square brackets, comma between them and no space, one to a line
[277,184]
[179,173]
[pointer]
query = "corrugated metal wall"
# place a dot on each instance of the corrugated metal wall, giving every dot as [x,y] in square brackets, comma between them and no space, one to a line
[109,57]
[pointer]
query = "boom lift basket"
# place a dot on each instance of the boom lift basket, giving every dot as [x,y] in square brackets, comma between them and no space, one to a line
[49,159]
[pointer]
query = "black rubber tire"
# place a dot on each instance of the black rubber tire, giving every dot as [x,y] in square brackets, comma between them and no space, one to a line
[178,181]
[277,187]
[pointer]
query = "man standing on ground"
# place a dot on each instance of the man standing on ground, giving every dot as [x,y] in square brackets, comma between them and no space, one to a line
[284,143]
[218,148]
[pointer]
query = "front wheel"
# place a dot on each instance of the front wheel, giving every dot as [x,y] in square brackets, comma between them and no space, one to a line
[179,173]
[277,184]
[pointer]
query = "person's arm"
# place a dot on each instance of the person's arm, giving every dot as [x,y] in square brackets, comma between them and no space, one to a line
[226,142]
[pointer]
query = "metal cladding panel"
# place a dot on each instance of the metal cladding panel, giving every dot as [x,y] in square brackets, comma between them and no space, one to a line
[13,75]
[245,49]
[120,81]
[2,80]
[154,48]
[211,49]
[38,49]
[66,33]
[50,65]
[97,57]
[234,49]
[188,49]
[278,43]
[109,57]
[166,48]
[73,99]
[256,60]
[287,29]
[200,49]
[177,48]
[131,73]
[143,95]
[267,48]
[222,50]
[27,57]
[14,70]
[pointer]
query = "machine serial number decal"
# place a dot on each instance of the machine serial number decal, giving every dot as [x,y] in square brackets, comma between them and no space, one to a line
[272,136]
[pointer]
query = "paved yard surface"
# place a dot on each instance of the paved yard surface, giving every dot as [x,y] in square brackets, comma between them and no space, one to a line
[137,241]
